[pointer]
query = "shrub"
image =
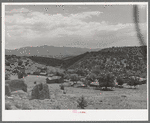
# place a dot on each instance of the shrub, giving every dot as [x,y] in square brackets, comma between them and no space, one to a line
[60,73]
[7,63]
[26,106]
[120,81]
[91,77]
[20,62]
[86,82]
[67,76]
[80,72]
[57,107]
[7,76]
[133,81]
[82,103]
[20,75]
[62,87]
[74,77]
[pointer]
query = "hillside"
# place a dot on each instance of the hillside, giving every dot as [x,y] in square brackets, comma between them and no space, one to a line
[47,61]
[121,59]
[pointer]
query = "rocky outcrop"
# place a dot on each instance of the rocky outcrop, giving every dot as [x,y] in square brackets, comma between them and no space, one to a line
[7,90]
[40,91]
[17,84]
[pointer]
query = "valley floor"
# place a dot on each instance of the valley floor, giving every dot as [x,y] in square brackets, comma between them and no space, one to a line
[120,98]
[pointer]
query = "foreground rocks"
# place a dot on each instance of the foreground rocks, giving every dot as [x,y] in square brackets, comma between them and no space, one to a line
[7,90]
[17,84]
[40,91]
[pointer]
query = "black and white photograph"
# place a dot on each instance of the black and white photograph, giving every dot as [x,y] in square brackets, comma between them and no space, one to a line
[75,57]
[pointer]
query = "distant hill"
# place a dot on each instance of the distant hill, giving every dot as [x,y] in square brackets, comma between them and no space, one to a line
[49,51]
[124,59]
[47,61]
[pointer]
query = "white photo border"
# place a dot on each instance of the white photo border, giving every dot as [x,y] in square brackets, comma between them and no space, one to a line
[68,115]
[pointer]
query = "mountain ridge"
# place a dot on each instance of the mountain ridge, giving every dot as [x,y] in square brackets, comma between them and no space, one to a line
[48,51]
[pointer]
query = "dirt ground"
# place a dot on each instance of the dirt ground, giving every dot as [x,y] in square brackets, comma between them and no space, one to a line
[120,98]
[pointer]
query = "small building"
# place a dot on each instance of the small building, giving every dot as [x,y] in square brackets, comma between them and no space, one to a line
[54,79]
[94,84]
[79,84]
[43,74]
[50,75]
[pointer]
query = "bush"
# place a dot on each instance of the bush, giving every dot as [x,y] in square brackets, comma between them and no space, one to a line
[133,81]
[7,76]
[67,76]
[20,75]
[91,77]
[74,77]
[20,62]
[62,87]
[7,63]
[120,81]
[86,82]
[82,103]
[80,72]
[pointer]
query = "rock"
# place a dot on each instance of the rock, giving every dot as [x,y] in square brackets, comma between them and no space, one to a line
[7,90]
[17,84]
[8,106]
[123,96]
[52,96]
[20,93]
[40,91]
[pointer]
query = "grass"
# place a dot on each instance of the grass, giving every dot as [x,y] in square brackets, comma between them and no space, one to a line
[120,98]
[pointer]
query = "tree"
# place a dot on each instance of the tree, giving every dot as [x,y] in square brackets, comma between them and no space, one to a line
[60,73]
[7,76]
[20,62]
[20,75]
[106,79]
[74,77]
[80,72]
[7,63]
[91,77]
[133,81]
[120,81]
[67,76]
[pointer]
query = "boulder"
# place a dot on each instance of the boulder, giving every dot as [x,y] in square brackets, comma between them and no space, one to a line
[40,91]
[8,106]
[17,84]
[7,90]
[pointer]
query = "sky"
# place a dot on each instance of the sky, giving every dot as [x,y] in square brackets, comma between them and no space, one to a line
[85,26]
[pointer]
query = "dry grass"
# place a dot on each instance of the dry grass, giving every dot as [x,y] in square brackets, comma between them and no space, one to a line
[120,98]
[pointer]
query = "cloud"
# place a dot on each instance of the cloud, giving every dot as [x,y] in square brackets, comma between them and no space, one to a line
[84,15]
[35,26]
[21,10]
